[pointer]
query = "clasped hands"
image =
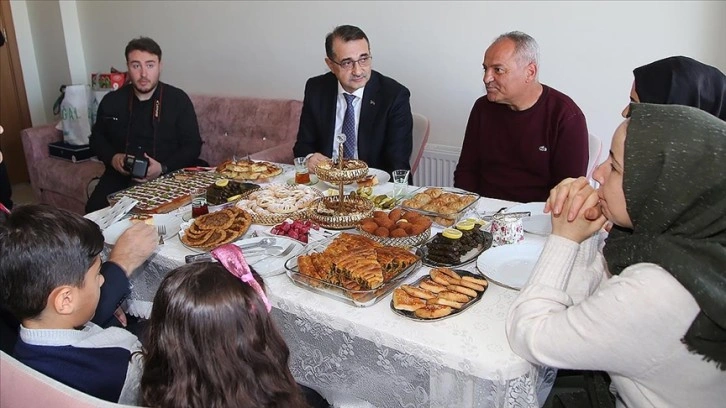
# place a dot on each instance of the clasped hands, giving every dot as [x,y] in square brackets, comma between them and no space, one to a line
[575,209]
[154,170]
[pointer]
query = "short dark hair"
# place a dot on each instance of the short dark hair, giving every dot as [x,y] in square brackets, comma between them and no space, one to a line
[211,342]
[143,44]
[42,248]
[345,33]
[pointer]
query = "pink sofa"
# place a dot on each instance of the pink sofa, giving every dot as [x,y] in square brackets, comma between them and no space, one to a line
[264,128]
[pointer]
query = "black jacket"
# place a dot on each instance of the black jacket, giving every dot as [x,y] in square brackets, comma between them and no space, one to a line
[177,142]
[385,128]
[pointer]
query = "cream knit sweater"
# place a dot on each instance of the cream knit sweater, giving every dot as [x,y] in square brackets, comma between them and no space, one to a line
[572,314]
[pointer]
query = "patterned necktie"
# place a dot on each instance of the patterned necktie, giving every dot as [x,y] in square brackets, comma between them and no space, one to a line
[350,144]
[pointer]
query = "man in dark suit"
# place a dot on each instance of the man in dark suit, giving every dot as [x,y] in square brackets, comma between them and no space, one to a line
[372,110]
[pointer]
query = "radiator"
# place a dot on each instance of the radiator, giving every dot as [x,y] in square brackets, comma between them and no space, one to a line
[437,166]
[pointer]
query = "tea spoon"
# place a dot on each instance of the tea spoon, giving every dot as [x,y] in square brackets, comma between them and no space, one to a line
[263,243]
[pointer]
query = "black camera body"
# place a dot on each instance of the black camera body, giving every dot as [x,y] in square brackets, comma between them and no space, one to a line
[136,166]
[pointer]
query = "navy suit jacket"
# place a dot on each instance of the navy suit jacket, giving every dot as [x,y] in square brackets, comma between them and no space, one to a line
[384,131]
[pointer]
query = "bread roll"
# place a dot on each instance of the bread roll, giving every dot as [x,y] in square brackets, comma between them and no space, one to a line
[455,296]
[478,281]
[433,311]
[462,289]
[418,292]
[432,286]
[403,301]
[444,302]
[442,278]
[449,272]
[471,285]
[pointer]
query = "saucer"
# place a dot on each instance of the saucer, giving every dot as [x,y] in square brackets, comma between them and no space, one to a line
[313,180]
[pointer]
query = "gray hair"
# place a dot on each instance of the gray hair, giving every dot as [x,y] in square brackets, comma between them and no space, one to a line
[525,46]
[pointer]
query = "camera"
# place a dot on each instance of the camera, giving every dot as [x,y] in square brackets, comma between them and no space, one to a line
[136,166]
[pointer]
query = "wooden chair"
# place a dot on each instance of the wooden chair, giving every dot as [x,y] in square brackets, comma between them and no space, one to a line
[421,127]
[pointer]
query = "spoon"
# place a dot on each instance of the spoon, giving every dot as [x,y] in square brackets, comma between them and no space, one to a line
[263,243]
[271,250]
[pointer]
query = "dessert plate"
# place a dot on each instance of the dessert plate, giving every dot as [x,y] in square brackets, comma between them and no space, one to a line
[171,222]
[538,222]
[510,265]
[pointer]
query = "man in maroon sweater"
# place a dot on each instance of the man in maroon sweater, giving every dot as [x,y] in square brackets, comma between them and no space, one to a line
[522,137]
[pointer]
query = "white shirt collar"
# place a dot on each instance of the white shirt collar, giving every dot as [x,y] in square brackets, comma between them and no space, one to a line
[358,92]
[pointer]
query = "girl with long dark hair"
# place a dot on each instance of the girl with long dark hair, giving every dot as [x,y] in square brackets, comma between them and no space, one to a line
[211,341]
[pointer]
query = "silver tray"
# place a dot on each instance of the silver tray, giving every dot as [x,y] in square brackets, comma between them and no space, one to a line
[357,298]
[456,312]
[467,258]
[445,220]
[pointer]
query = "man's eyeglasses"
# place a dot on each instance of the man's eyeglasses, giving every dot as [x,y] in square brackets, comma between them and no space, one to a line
[348,64]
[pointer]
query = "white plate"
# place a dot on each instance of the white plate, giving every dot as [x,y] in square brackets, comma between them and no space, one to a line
[510,265]
[383,178]
[171,222]
[538,223]
[267,265]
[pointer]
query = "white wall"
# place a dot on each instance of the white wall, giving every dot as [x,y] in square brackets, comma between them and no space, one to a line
[435,48]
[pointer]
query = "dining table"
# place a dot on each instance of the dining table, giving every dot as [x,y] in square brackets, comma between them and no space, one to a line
[373,355]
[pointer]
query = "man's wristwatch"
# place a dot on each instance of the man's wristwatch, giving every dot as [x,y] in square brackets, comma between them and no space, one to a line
[164,169]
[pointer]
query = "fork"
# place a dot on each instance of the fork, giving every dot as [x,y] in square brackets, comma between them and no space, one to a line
[283,254]
[161,230]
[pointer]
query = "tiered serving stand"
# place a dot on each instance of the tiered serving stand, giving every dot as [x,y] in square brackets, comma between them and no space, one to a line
[339,175]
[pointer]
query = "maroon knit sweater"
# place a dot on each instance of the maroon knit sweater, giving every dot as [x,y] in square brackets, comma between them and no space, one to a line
[521,155]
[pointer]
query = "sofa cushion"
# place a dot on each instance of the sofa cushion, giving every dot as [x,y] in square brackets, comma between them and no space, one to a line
[238,126]
[68,178]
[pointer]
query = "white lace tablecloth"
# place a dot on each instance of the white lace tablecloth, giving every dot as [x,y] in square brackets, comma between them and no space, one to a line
[375,355]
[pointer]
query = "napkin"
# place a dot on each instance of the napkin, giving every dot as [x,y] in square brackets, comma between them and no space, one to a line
[109,215]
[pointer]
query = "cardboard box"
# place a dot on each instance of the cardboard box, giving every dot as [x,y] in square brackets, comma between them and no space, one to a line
[107,81]
[72,153]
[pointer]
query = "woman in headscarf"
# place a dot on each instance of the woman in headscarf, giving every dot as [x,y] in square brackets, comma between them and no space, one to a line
[651,308]
[680,81]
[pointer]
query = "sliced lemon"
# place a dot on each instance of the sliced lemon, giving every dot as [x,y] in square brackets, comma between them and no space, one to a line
[221,182]
[452,233]
[235,197]
[401,221]
[466,225]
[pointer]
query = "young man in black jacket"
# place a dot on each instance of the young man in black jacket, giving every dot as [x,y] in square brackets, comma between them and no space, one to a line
[146,120]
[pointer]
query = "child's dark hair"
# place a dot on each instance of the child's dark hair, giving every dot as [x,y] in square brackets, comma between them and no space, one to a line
[212,343]
[42,248]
